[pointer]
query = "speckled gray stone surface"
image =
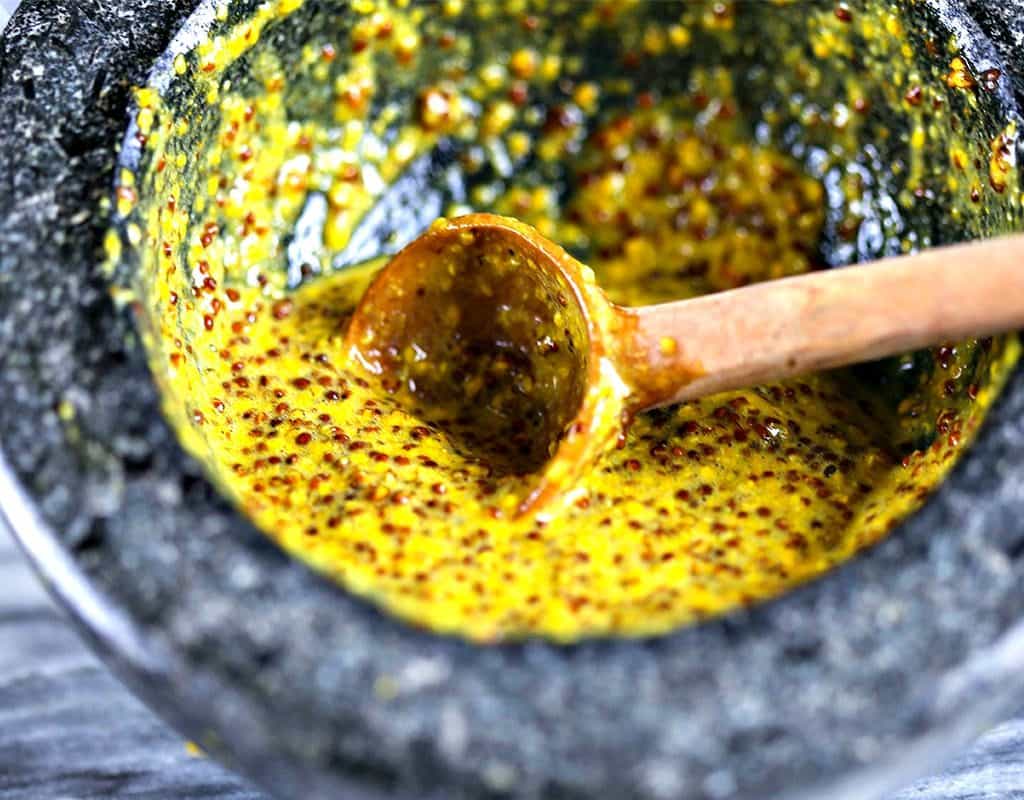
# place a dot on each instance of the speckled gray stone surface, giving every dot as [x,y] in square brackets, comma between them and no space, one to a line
[69,730]
[1004,24]
[856,681]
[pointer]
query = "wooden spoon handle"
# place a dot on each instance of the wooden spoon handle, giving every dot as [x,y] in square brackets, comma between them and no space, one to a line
[774,330]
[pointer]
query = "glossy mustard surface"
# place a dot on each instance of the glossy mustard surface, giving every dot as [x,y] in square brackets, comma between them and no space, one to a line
[702,507]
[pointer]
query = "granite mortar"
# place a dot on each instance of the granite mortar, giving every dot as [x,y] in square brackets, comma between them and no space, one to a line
[875,671]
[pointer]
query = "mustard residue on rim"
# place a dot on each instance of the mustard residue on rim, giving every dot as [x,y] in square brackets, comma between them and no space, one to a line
[702,508]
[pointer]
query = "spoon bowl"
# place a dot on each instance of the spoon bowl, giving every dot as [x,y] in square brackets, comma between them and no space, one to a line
[497,336]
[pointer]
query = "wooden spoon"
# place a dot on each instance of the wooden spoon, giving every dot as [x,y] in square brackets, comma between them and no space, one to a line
[491,331]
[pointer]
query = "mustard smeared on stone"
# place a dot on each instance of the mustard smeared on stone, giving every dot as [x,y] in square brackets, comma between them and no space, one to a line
[701,508]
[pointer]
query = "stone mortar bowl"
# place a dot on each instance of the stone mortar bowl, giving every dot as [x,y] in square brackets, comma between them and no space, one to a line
[848,686]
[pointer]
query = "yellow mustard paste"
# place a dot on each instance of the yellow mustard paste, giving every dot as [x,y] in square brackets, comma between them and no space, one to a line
[701,508]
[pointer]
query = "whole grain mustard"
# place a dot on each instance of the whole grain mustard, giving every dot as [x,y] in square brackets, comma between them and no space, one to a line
[701,508]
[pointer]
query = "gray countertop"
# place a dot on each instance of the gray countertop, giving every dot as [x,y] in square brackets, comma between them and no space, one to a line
[70,731]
